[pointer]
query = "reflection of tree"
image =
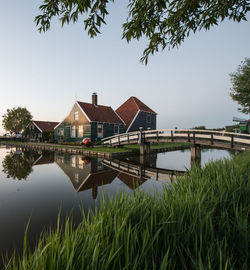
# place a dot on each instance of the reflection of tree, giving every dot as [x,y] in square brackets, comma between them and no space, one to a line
[17,166]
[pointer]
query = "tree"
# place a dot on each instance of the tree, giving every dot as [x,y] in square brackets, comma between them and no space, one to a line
[164,23]
[17,166]
[240,90]
[16,119]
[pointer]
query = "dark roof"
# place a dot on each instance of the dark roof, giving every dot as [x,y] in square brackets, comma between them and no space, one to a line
[100,113]
[132,182]
[44,160]
[129,109]
[46,125]
[98,179]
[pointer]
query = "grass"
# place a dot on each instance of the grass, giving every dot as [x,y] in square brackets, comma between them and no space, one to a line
[159,145]
[100,148]
[199,223]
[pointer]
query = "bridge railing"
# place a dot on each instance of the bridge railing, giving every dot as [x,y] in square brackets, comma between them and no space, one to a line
[188,135]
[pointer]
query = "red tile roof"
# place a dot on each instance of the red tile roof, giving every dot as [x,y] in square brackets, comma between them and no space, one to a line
[129,109]
[46,125]
[100,113]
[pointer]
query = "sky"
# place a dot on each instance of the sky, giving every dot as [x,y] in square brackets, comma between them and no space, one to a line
[47,72]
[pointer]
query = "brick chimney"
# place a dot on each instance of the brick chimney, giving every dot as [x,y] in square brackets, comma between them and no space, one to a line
[94,98]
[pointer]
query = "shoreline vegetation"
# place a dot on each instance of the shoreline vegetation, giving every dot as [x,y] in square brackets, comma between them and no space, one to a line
[201,222]
[128,149]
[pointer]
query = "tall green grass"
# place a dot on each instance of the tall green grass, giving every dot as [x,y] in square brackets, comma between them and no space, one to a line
[201,222]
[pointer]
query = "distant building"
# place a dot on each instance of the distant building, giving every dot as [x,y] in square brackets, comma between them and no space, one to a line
[136,114]
[243,124]
[89,120]
[39,130]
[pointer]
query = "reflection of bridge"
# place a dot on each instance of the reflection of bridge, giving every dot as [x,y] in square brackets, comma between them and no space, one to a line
[196,138]
[141,171]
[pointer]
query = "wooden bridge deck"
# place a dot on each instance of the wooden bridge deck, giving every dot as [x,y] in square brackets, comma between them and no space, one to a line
[211,138]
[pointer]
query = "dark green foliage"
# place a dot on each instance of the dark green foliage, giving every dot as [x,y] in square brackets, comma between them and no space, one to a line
[164,23]
[232,128]
[17,166]
[200,127]
[48,136]
[240,90]
[51,137]
[201,222]
[16,119]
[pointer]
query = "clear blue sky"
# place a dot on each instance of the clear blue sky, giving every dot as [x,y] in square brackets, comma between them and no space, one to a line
[187,87]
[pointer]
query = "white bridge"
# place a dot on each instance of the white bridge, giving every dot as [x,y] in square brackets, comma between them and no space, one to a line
[197,138]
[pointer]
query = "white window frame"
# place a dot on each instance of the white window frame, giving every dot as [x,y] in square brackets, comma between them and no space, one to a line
[73,161]
[80,131]
[99,135]
[73,132]
[60,132]
[76,115]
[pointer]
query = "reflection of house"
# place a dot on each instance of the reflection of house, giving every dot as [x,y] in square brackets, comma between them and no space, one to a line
[96,180]
[136,114]
[45,158]
[84,173]
[39,130]
[89,120]
[131,181]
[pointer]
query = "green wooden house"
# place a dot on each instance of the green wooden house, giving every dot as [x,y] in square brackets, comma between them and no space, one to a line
[89,120]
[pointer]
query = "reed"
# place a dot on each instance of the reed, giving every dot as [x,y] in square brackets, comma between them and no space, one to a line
[201,222]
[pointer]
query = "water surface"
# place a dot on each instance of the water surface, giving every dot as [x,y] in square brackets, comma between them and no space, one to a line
[35,185]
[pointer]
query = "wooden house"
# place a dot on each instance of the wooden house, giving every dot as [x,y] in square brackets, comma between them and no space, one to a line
[136,114]
[89,120]
[39,130]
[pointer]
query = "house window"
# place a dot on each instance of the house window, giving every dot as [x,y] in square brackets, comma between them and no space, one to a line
[99,130]
[73,131]
[116,129]
[149,118]
[80,131]
[60,131]
[80,163]
[75,116]
[73,161]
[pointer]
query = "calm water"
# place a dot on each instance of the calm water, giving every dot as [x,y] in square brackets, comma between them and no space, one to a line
[36,185]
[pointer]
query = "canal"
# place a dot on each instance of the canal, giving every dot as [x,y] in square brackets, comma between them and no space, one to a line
[36,185]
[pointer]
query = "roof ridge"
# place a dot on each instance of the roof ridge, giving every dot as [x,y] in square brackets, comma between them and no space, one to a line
[135,102]
[93,104]
[44,121]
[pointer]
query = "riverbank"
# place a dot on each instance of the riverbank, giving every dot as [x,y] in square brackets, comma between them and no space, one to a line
[97,150]
[200,223]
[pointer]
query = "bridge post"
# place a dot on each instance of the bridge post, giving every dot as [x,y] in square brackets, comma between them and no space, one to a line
[212,138]
[141,142]
[142,150]
[147,148]
[195,155]
[172,135]
[188,136]
[232,141]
